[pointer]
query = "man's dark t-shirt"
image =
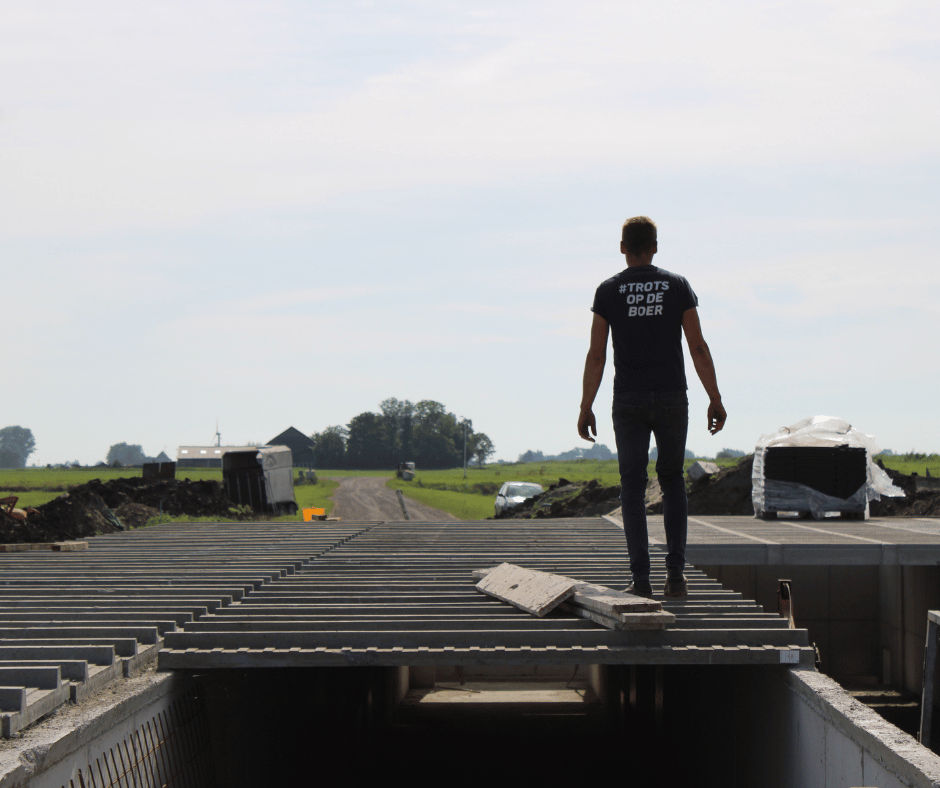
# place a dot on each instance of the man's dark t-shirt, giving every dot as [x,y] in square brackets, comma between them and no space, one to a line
[644,306]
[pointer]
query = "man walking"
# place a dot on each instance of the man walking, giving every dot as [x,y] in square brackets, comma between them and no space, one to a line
[646,309]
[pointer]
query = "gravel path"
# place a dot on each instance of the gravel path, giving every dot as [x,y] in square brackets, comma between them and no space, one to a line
[362,498]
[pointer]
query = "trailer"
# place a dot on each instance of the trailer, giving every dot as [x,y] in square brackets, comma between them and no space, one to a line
[262,478]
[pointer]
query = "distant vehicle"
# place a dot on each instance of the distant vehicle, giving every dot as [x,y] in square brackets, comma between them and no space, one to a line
[406,471]
[511,494]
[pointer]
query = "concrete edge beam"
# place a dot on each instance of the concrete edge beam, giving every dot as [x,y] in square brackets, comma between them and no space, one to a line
[171,659]
[42,749]
[574,639]
[893,749]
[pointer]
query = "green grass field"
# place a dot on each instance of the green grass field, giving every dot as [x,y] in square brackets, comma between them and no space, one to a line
[909,464]
[344,474]
[466,506]
[488,480]
[314,496]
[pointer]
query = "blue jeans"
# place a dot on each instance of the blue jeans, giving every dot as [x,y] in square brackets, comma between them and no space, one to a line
[665,414]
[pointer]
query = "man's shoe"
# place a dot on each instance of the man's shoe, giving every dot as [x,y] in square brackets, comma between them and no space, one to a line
[640,587]
[676,585]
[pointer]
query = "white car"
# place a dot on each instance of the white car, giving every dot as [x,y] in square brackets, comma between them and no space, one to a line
[511,494]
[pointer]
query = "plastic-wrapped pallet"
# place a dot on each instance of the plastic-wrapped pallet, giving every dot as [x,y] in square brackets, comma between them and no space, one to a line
[818,465]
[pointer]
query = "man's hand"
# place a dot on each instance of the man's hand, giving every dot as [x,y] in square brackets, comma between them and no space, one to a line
[586,422]
[593,373]
[704,368]
[716,417]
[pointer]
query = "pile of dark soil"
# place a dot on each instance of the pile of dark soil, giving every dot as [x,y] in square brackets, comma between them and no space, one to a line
[72,516]
[727,492]
[168,496]
[925,503]
[135,515]
[105,507]
[569,499]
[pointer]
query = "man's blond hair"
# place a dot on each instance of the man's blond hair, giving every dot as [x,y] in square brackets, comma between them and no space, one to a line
[639,234]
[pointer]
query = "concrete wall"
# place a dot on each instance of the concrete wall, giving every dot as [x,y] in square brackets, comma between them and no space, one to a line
[907,593]
[869,622]
[800,728]
[151,730]
[737,727]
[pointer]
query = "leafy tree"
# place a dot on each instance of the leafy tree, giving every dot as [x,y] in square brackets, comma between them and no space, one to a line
[329,447]
[398,431]
[16,444]
[125,455]
[435,433]
[728,454]
[598,451]
[424,433]
[482,448]
[364,446]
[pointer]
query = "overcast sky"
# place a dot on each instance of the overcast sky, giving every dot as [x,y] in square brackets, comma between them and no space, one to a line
[279,214]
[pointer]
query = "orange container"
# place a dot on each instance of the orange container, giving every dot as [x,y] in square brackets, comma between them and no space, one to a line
[314,514]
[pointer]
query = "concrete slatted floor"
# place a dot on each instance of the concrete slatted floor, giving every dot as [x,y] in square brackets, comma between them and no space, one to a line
[322,594]
[402,594]
[70,622]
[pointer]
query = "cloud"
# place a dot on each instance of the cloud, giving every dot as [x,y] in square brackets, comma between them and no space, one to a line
[145,121]
[186,186]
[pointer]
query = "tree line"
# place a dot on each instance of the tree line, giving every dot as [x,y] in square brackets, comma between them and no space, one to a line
[424,433]
[596,451]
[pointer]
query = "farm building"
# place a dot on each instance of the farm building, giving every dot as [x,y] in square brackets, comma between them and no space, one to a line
[300,445]
[205,456]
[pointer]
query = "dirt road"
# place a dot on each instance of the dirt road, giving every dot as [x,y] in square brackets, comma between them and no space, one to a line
[367,498]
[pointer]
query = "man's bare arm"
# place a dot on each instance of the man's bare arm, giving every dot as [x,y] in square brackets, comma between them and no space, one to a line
[704,368]
[593,374]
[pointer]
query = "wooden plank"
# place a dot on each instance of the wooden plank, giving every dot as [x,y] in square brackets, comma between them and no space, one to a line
[535,592]
[607,601]
[602,605]
[600,599]
[69,547]
[60,547]
[625,621]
